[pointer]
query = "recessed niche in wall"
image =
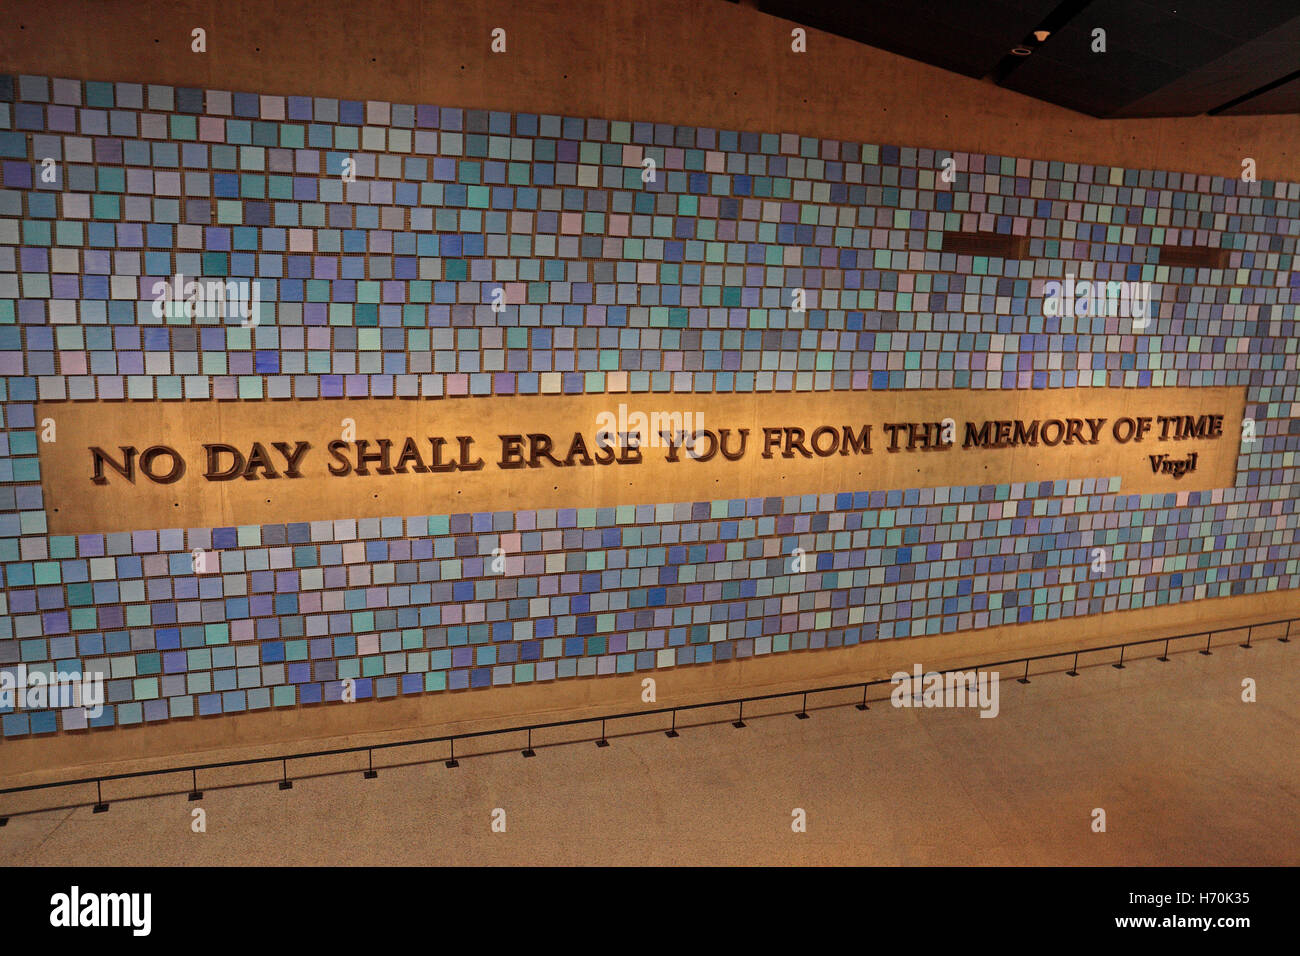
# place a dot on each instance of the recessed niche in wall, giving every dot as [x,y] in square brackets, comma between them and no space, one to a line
[992,244]
[1196,257]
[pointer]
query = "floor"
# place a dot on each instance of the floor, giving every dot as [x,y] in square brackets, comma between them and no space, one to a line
[1185,771]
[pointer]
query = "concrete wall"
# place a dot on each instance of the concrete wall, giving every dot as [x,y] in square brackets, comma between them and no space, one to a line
[712,66]
[665,61]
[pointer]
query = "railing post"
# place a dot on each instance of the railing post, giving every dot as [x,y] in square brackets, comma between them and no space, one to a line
[1025,678]
[863,705]
[285,782]
[529,751]
[371,773]
[1250,628]
[602,742]
[451,760]
[1208,637]
[1074,668]
[803,708]
[1286,638]
[739,722]
[100,805]
[1120,665]
[672,731]
[1165,656]
[195,792]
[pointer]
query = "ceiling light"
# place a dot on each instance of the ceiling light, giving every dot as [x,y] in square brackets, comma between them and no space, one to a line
[1041,35]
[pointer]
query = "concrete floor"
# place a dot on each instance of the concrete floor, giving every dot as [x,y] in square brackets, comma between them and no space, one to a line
[1186,772]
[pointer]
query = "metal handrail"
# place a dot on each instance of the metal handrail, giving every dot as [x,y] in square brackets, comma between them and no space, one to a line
[285,783]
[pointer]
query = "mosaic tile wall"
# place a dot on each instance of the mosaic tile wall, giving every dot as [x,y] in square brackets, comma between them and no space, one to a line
[657,289]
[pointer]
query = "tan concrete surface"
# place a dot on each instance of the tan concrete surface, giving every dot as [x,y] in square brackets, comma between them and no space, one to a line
[1186,771]
[752,428]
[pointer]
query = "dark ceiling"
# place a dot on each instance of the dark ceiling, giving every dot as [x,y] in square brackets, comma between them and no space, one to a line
[1163,57]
